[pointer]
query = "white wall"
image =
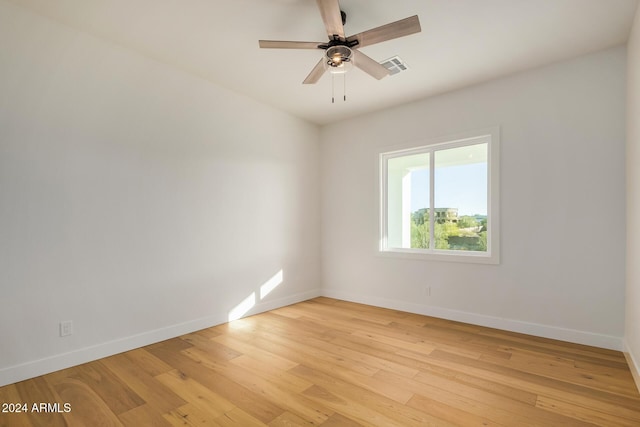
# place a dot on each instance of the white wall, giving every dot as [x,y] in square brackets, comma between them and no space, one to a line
[136,200]
[562,205]
[632,330]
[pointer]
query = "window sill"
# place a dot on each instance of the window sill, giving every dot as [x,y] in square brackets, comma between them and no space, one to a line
[446,256]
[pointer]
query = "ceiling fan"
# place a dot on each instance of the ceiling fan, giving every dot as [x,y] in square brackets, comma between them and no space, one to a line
[341,52]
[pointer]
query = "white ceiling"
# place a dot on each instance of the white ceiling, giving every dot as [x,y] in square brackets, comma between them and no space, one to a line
[462,42]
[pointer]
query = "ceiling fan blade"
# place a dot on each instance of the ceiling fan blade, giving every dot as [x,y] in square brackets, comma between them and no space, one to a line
[401,28]
[277,44]
[330,12]
[316,73]
[369,65]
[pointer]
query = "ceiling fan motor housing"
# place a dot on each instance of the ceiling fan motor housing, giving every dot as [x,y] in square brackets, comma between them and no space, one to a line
[338,55]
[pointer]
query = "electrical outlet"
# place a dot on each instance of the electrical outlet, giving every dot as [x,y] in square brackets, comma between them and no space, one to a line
[66,328]
[427,291]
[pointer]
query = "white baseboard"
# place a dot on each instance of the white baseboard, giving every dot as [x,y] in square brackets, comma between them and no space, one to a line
[633,364]
[545,331]
[12,374]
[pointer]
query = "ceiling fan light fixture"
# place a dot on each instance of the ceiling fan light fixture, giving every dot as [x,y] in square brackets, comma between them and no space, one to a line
[338,59]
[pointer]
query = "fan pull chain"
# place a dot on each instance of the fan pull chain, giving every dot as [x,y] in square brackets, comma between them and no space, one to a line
[344,89]
[333,88]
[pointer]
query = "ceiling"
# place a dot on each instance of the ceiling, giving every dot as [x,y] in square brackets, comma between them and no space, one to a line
[463,42]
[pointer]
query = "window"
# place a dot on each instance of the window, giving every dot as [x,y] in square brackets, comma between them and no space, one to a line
[440,200]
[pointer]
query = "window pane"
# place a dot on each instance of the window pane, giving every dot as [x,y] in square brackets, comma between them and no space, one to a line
[420,235]
[407,193]
[460,186]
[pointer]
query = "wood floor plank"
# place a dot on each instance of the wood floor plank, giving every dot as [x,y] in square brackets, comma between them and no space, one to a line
[153,392]
[361,357]
[208,401]
[463,402]
[146,362]
[114,392]
[566,370]
[212,347]
[39,390]
[14,417]
[87,408]
[502,408]
[275,375]
[254,404]
[291,420]
[267,359]
[532,382]
[364,415]
[237,417]
[290,400]
[508,340]
[452,414]
[366,407]
[189,415]
[339,420]
[373,362]
[292,347]
[537,386]
[326,362]
[143,415]
[583,413]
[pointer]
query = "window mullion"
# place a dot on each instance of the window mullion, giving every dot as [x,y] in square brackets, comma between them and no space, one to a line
[432,200]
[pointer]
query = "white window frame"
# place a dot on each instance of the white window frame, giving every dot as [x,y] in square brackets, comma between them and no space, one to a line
[492,255]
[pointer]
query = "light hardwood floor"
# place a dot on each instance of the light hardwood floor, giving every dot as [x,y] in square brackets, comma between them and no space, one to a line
[333,363]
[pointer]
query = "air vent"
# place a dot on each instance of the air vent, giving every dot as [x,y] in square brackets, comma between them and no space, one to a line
[395,65]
